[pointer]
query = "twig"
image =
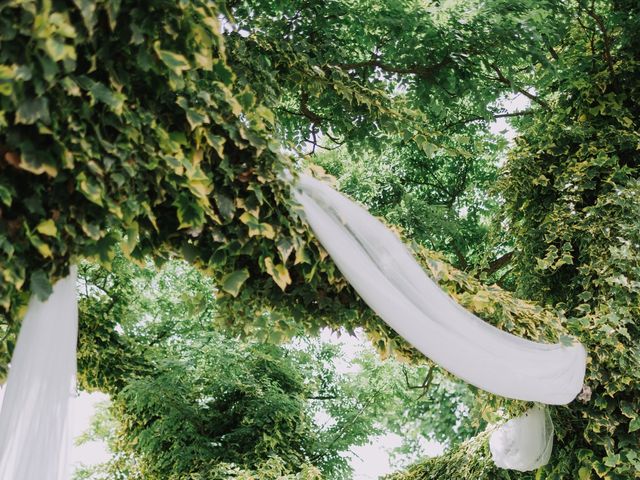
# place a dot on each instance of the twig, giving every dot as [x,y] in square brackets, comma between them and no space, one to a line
[505,81]
[495,117]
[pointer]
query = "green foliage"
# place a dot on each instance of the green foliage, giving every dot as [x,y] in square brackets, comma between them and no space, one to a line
[572,203]
[121,124]
[179,387]
[186,400]
[149,141]
[366,72]
[229,404]
[439,201]
[577,221]
[149,335]
[472,459]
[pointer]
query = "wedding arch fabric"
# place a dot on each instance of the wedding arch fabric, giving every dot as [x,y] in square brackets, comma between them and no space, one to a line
[34,436]
[387,277]
[523,443]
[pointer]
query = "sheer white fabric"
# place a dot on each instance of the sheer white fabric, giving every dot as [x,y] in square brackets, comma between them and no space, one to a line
[523,443]
[34,437]
[387,277]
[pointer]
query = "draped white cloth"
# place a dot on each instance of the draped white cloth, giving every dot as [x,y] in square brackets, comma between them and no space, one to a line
[34,436]
[523,443]
[387,277]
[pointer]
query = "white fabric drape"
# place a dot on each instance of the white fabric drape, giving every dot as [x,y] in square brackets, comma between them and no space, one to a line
[34,437]
[523,443]
[387,277]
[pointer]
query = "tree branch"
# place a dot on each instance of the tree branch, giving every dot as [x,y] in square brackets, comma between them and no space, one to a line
[478,118]
[498,263]
[505,81]
[304,109]
[606,40]
[427,382]
[462,261]
[421,71]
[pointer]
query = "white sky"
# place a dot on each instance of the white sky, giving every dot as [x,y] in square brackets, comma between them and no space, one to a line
[514,103]
[82,409]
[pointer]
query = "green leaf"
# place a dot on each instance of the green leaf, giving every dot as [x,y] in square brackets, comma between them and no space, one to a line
[204,60]
[90,187]
[7,75]
[190,213]
[627,122]
[196,118]
[59,50]
[285,247]
[110,98]
[216,142]
[105,250]
[278,272]
[612,460]
[47,227]
[23,72]
[88,10]
[70,87]
[40,285]
[247,99]
[175,61]
[132,234]
[55,49]
[41,246]
[600,469]
[30,111]
[634,425]
[225,205]
[628,410]
[223,72]
[232,282]
[584,473]
[5,195]
[256,228]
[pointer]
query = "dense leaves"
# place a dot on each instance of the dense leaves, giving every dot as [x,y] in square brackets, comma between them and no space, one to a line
[156,127]
[120,123]
[572,200]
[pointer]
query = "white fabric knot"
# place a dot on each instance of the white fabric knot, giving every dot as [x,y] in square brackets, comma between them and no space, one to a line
[523,443]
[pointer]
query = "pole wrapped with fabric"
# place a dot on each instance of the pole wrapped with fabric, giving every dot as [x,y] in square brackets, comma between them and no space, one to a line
[34,436]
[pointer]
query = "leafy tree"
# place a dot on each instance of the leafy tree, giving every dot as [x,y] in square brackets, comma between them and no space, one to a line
[196,401]
[187,399]
[571,192]
[122,124]
[440,202]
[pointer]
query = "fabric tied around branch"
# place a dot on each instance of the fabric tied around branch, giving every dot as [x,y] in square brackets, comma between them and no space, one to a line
[389,279]
[34,423]
[523,443]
